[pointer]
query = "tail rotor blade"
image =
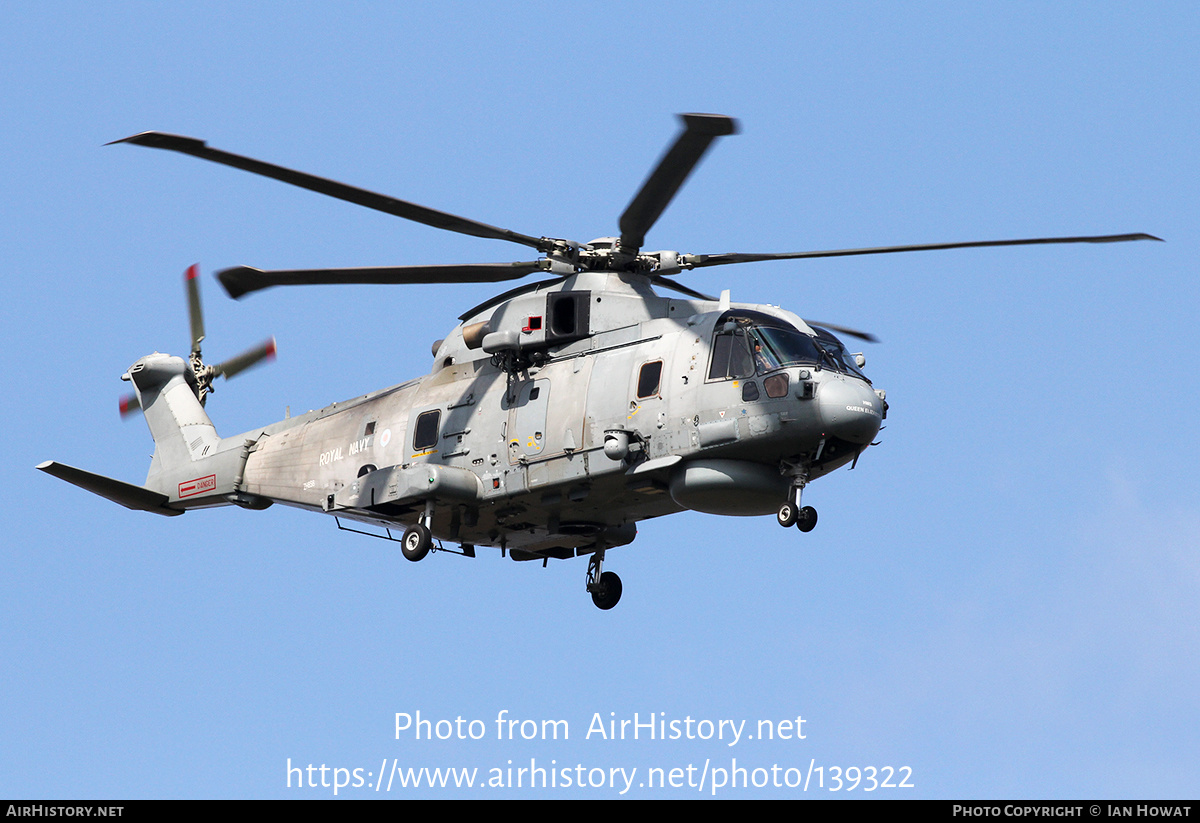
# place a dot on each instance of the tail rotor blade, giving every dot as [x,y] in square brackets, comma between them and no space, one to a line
[195,314]
[130,405]
[245,360]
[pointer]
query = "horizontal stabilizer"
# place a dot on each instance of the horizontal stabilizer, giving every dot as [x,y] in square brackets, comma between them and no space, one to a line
[127,494]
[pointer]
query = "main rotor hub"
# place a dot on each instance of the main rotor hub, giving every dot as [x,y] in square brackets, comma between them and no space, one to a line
[606,254]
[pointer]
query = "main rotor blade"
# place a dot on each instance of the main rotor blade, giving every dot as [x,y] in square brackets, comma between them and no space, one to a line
[668,176]
[244,279]
[667,283]
[352,194]
[195,315]
[245,360]
[861,335]
[696,261]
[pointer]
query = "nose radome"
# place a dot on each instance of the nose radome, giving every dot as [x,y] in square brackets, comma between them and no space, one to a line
[850,410]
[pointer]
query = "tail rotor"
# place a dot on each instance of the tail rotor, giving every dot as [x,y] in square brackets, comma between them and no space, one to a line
[204,373]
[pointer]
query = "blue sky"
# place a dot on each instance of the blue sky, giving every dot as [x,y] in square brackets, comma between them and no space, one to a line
[1002,597]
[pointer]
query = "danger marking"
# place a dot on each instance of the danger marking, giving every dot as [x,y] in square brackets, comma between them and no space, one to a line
[189,488]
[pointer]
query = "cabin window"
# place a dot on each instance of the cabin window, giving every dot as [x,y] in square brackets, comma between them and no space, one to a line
[426,433]
[749,391]
[649,379]
[370,429]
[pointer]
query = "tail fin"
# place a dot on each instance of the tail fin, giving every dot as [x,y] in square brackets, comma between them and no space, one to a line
[180,427]
[192,467]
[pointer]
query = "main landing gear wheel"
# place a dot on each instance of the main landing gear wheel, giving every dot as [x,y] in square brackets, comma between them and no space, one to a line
[607,592]
[806,520]
[416,543]
[786,515]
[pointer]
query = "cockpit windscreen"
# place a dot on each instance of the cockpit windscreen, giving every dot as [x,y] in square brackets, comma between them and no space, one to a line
[749,342]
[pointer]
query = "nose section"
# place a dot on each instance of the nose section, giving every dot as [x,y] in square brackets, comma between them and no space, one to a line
[850,410]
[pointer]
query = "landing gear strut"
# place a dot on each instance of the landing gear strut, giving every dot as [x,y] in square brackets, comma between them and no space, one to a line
[791,513]
[604,586]
[418,539]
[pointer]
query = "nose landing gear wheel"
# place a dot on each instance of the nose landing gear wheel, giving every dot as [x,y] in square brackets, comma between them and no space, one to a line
[786,515]
[806,521]
[416,543]
[607,592]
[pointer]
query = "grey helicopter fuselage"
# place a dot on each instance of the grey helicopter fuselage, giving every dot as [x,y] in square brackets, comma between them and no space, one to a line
[551,423]
[557,415]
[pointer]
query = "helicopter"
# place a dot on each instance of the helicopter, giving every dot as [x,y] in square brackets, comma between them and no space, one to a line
[556,415]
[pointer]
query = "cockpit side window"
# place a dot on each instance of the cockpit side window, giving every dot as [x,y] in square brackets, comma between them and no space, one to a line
[731,357]
[719,368]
